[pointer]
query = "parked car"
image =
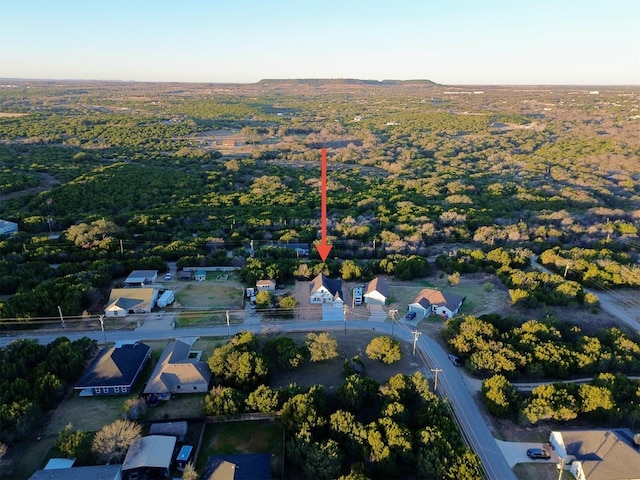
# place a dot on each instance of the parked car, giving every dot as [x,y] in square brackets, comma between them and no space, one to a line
[538,454]
[455,360]
[410,316]
[168,276]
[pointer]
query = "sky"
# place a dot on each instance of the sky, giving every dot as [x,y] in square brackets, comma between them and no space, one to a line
[454,42]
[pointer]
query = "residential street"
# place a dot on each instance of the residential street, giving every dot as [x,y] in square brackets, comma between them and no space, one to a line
[450,381]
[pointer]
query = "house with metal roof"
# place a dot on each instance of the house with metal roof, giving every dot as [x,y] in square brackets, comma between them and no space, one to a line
[115,370]
[7,227]
[140,278]
[151,455]
[94,472]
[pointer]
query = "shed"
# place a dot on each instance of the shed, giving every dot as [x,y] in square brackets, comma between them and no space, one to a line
[200,275]
[171,429]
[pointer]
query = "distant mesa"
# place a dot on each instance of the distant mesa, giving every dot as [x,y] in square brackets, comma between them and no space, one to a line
[340,81]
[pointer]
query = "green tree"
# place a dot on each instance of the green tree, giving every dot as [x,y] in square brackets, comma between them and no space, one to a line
[500,396]
[321,346]
[323,460]
[385,349]
[263,399]
[350,271]
[357,392]
[284,352]
[264,299]
[74,444]
[305,410]
[223,401]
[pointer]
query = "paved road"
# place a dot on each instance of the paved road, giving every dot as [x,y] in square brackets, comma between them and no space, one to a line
[450,381]
[609,302]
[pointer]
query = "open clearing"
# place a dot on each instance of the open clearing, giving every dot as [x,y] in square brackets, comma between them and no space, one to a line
[209,296]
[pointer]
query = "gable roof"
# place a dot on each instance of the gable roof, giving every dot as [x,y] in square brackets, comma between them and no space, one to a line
[379,285]
[604,454]
[430,296]
[130,298]
[115,366]
[150,451]
[142,276]
[176,368]
[333,286]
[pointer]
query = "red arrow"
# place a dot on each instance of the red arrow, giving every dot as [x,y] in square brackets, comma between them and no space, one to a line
[323,248]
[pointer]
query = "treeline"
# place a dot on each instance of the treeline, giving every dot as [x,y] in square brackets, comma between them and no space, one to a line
[399,429]
[601,269]
[33,380]
[609,399]
[492,344]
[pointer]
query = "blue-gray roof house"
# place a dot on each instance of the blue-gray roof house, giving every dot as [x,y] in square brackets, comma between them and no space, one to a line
[255,466]
[115,370]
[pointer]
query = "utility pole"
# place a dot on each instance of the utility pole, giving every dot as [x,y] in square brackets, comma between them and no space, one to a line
[435,382]
[61,317]
[344,314]
[392,314]
[415,334]
[104,335]
[228,326]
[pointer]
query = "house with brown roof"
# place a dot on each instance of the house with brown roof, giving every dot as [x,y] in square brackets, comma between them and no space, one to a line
[269,285]
[376,292]
[179,370]
[599,454]
[431,301]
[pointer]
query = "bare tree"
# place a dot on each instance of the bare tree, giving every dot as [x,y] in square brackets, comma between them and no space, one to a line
[112,441]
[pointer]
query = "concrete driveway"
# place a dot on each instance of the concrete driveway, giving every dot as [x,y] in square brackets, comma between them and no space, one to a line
[516,452]
[332,314]
[376,313]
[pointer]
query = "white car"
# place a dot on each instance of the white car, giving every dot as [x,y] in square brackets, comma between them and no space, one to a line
[168,276]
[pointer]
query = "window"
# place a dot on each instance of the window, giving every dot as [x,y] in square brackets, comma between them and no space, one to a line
[116,389]
[98,390]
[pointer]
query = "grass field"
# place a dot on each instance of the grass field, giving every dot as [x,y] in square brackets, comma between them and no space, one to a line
[210,296]
[242,437]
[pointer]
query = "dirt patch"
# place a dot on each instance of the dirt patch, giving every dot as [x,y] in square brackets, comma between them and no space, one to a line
[210,295]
